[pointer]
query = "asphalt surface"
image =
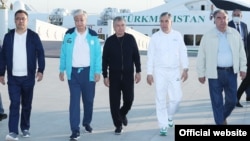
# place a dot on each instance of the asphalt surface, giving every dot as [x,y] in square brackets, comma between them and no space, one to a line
[50,116]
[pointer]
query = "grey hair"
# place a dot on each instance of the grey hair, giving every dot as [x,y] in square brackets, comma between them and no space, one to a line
[79,12]
[219,11]
[118,18]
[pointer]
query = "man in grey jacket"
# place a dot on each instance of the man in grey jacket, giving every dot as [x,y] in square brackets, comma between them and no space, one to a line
[221,57]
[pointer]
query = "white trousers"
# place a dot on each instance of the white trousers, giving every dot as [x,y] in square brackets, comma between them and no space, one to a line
[168,86]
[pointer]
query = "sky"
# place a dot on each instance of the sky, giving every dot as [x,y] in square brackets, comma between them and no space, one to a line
[91,6]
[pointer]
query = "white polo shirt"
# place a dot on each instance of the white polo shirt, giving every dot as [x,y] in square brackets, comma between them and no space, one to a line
[81,52]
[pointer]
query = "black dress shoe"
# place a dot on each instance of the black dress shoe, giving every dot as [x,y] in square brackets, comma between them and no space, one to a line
[88,128]
[3,116]
[238,104]
[248,99]
[118,130]
[124,121]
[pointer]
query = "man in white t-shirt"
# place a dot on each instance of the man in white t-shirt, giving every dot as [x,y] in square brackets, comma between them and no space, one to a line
[22,57]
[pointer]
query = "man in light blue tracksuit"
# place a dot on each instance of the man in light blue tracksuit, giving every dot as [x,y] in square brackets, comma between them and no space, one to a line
[80,57]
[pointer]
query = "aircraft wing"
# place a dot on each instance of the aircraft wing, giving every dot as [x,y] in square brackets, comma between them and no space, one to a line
[243,5]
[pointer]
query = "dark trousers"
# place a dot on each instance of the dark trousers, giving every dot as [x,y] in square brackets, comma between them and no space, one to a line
[1,105]
[244,86]
[227,82]
[121,85]
[80,86]
[20,92]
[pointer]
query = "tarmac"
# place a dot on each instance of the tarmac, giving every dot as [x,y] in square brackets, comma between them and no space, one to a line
[50,114]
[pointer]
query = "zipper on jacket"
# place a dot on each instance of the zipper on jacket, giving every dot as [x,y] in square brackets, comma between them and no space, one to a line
[121,44]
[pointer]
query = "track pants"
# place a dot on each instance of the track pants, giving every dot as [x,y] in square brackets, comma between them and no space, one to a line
[167,83]
[121,85]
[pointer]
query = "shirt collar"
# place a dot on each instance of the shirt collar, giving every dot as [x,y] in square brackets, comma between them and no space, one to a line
[84,34]
[223,33]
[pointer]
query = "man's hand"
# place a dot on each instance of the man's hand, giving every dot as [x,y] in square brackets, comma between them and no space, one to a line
[150,79]
[39,76]
[97,77]
[61,76]
[243,75]
[137,78]
[106,81]
[202,80]
[184,75]
[2,80]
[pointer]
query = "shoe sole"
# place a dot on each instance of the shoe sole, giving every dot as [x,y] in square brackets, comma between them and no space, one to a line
[74,139]
[86,131]
[163,134]
[27,136]
[170,126]
[9,138]
[116,133]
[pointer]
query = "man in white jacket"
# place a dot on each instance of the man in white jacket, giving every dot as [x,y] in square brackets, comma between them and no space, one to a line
[167,54]
[220,57]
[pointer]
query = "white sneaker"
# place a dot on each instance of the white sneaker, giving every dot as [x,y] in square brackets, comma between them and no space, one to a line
[170,123]
[11,137]
[164,131]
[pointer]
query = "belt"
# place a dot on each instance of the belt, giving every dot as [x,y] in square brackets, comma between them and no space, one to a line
[224,68]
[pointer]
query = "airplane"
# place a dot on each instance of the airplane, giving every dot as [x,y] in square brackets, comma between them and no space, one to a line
[51,35]
[38,22]
[192,18]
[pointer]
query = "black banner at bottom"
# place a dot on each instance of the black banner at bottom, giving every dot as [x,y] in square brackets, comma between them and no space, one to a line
[198,132]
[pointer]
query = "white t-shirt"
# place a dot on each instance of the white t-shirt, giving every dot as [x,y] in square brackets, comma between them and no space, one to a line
[20,55]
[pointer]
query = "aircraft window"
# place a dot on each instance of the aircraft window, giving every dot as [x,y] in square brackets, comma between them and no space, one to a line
[189,39]
[198,40]
[202,7]
[101,36]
